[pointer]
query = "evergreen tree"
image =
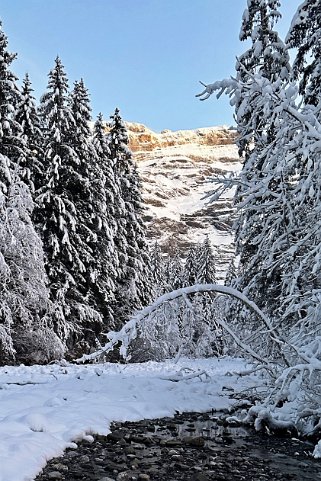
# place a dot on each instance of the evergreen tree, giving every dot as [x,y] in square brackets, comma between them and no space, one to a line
[134,287]
[265,62]
[267,57]
[157,270]
[278,236]
[66,237]
[261,86]
[190,273]
[304,35]
[30,165]
[23,293]
[206,272]
[231,273]
[107,201]
[24,290]
[91,206]
[9,97]
[206,329]
[174,271]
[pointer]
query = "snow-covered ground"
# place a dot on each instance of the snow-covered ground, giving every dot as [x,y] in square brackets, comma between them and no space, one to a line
[45,409]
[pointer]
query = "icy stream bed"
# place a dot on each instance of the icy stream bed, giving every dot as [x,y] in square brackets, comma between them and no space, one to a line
[188,447]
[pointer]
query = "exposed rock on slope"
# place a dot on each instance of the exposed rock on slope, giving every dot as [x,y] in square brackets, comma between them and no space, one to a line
[144,139]
[175,168]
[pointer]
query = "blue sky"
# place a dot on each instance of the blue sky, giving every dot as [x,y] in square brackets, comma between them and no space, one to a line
[143,56]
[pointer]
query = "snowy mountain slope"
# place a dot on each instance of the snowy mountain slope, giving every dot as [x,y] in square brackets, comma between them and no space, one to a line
[175,168]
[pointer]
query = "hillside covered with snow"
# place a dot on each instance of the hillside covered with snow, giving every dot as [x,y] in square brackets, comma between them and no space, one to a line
[176,170]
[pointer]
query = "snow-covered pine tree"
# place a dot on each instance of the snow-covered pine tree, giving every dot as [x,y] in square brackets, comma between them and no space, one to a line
[95,223]
[157,270]
[58,214]
[30,157]
[206,272]
[264,185]
[190,272]
[304,35]
[164,330]
[108,202]
[25,290]
[231,273]
[303,282]
[134,288]
[267,59]
[174,271]
[24,297]
[9,98]
[210,335]
[288,245]
[9,128]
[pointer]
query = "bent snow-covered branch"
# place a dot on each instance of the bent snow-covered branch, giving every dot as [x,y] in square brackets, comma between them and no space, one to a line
[129,330]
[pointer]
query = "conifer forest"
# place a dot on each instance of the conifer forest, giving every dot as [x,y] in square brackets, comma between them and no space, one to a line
[83,283]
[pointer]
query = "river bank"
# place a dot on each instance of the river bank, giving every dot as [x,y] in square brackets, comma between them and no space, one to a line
[187,447]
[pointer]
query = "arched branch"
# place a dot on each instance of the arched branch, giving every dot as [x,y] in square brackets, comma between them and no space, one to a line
[129,330]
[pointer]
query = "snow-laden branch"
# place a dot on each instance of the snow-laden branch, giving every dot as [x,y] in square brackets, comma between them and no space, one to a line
[281,100]
[129,330]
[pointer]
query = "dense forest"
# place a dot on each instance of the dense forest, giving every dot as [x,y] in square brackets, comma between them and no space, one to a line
[73,255]
[75,262]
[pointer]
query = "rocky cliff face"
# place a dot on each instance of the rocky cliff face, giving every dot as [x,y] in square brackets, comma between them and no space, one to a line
[143,139]
[176,169]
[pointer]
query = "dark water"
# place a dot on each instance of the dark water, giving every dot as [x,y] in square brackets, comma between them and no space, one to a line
[188,447]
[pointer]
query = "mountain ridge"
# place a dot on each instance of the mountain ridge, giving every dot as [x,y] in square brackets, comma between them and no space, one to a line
[175,168]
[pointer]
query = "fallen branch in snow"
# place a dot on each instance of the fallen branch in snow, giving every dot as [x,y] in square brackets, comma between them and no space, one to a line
[256,368]
[182,376]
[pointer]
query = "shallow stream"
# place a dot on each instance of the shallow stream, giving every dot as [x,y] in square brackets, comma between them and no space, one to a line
[188,447]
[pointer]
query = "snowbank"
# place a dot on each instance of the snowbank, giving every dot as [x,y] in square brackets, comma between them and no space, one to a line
[46,409]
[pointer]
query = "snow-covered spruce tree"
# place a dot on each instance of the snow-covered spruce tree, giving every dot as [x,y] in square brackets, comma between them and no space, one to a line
[297,252]
[207,336]
[289,241]
[95,222]
[161,338]
[9,98]
[157,263]
[304,35]
[107,202]
[206,263]
[59,214]
[279,204]
[30,157]
[231,273]
[302,282]
[24,298]
[174,271]
[134,288]
[265,62]
[190,271]
[268,58]
[152,343]
[185,325]
[25,290]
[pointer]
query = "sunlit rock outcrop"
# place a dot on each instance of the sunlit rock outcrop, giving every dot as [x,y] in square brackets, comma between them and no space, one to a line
[176,169]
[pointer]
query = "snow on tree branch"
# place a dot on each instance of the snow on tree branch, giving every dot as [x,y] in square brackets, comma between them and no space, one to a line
[129,330]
